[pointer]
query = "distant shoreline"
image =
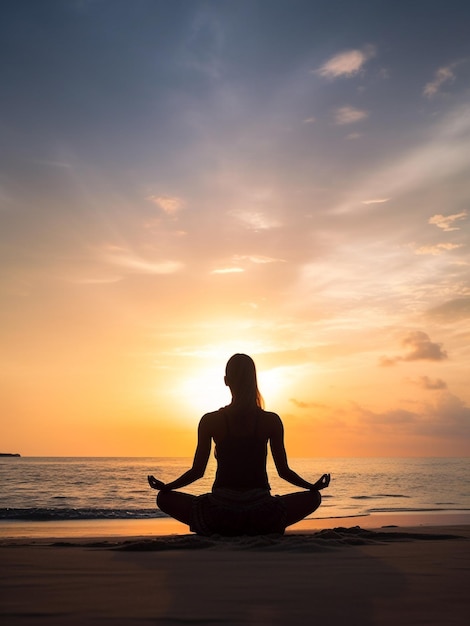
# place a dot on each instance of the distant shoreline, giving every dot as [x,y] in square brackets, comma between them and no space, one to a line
[9,454]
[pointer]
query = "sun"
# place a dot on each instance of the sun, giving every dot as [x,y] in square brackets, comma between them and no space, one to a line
[204,390]
[201,388]
[272,385]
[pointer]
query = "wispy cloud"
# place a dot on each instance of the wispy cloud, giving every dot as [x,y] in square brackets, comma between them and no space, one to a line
[306,405]
[347,63]
[438,248]
[132,263]
[258,258]
[240,263]
[392,417]
[257,220]
[452,310]
[446,221]
[169,204]
[443,75]
[448,416]
[228,270]
[376,201]
[349,115]
[443,154]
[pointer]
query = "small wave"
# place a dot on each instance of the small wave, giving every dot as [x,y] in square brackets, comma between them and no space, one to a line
[414,509]
[53,514]
[379,495]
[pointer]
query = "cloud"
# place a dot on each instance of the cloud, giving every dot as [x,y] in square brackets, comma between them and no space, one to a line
[258,259]
[169,204]
[346,64]
[438,248]
[238,260]
[228,270]
[444,154]
[452,310]
[307,405]
[393,416]
[386,361]
[419,347]
[309,120]
[443,75]
[257,220]
[376,201]
[349,115]
[135,264]
[447,417]
[443,417]
[432,384]
[445,221]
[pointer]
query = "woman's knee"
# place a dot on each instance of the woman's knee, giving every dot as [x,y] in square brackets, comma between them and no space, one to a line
[163,499]
[176,504]
[314,500]
[316,497]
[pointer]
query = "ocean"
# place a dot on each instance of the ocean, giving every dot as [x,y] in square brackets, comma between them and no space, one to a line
[80,488]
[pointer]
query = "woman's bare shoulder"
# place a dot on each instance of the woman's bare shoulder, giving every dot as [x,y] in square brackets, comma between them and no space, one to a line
[213,417]
[270,419]
[270,415]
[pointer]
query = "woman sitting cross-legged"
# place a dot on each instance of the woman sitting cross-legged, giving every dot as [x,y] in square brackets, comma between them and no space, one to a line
[240,502]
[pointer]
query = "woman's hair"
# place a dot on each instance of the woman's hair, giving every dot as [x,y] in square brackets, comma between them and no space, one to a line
[240,376]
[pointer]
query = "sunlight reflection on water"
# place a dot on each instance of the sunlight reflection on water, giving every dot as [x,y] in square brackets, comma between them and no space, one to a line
[111,486]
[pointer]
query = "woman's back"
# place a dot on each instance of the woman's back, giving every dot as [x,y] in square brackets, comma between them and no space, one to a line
[241,449]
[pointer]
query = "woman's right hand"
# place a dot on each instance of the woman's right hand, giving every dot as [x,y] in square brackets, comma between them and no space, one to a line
[155,483]
[322,483]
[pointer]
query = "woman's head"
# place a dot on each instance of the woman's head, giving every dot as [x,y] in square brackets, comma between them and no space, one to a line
[240,376]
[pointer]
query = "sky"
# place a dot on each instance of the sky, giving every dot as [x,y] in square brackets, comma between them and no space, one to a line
[183,180]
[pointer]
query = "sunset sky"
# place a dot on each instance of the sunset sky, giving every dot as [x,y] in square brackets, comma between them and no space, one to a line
[182,180]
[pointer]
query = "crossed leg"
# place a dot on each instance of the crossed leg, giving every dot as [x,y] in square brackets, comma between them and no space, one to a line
[177,504]
[298,505]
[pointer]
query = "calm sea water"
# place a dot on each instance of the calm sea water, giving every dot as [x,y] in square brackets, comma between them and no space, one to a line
[69,488]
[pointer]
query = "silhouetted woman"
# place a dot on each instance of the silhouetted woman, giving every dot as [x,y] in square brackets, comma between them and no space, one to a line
[240,502]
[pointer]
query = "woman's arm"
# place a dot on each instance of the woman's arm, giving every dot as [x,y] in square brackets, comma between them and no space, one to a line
[278,451]
[201,457]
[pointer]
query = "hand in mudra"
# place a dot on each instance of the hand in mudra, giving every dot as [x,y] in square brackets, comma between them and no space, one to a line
[155,483]
[322,482]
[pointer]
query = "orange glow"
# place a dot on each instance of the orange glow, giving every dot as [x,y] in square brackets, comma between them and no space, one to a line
[183,188]
[116,396]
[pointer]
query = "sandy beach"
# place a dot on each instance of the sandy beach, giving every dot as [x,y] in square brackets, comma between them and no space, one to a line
[326,573]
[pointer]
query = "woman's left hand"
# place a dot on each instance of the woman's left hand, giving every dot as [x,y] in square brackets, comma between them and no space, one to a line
[323,482]
[155,483]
